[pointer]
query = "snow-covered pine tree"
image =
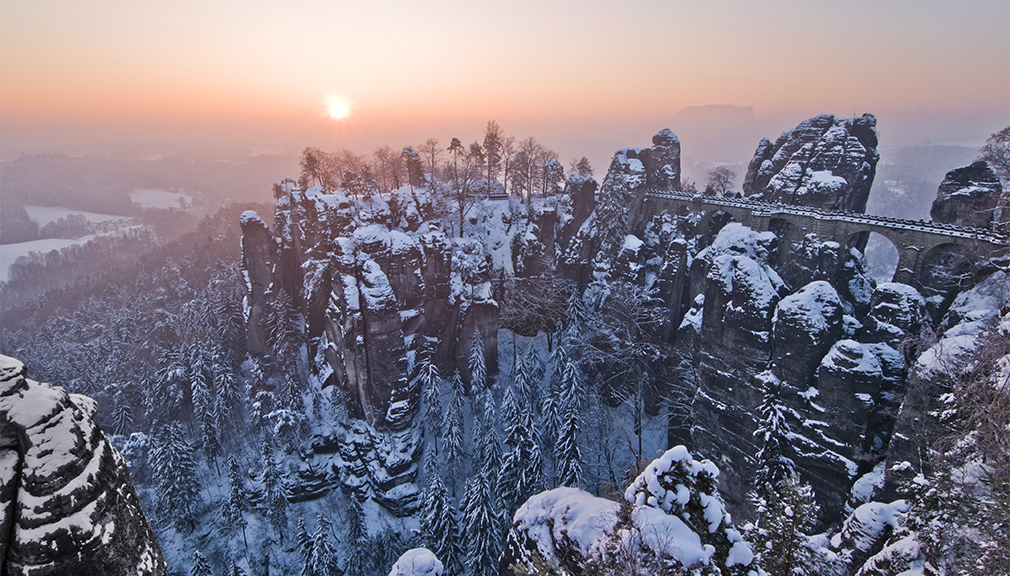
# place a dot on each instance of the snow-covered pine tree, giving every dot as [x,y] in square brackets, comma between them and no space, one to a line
[567,454]
[320,558]
[535,369]
[174,467]
[476,363]
[772,434]
[576,317]
[200,566]
[524,387]
[431,397]
[273,501]
[439,528]
[235,506]
[522,471]
[512,413]
[452,430]
[482,527]
[122,413]
[785,514]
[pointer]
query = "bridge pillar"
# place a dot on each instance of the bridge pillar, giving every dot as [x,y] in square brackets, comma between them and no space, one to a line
[908,265]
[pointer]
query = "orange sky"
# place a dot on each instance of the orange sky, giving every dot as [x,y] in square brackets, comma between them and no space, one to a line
[258,70]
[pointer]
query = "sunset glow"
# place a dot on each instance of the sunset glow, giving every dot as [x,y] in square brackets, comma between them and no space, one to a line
[558,70]
[338,109]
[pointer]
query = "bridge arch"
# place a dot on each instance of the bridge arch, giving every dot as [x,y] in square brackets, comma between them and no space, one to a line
[712,222]
[881,252]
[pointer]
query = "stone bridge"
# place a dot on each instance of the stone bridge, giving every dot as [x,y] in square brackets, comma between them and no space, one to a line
[920,244]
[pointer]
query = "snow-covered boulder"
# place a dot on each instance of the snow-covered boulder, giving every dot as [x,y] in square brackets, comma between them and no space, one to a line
[672,518]
[805,326]
[824,162]
[417,562]
[849,383]
[67,503]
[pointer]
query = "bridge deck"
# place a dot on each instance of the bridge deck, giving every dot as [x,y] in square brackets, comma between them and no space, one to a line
[765,209]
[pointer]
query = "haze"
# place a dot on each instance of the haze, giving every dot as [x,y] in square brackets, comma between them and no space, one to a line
[584,77]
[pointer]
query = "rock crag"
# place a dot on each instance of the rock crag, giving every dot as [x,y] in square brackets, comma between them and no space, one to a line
[824,162]
[68,503]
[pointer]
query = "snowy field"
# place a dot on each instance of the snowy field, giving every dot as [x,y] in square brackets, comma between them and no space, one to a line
[46,214]
[11,252]
[158,198]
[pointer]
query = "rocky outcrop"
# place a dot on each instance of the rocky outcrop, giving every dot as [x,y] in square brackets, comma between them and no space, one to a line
[970,196]
[672,517]
[377,289]
[258,256]
[68,503]
[805,326]
[824,162]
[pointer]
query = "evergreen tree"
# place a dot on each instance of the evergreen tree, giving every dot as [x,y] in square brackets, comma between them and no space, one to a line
[174,464]
[235,505]
[774,466]
[453,430]
[512,414]
[432,399]
[568,455]
[273,500]
[524,389]
[438,527]
[785,514]
[122,413]
[478,368]
[481,527]
[320,558]
[200,566]
[522,471]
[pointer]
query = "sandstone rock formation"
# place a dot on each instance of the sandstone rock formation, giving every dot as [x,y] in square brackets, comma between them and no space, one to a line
[68,504]
[970,196]
[824,162]
[376,292]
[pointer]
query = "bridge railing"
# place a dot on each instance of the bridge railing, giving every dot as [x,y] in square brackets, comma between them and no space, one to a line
[761,208]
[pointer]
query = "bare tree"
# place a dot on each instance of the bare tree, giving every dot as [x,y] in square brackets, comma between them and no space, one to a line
[389,167]
[432,153]
[720,180]
[464,170]
[493,135]
[508,154]
[996,152]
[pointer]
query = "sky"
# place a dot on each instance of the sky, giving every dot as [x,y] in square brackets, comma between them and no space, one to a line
[584,77]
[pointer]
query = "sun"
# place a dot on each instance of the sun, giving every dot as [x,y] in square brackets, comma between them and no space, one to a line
[337,109]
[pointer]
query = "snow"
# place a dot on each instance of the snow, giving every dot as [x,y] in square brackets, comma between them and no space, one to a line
[565,515]
[11,252]
[250,217]
[852,356]
[867,523]
[46,214]
[866,485]
[632,243]
[159,198]
[417,562]
[810,306]
[670,536]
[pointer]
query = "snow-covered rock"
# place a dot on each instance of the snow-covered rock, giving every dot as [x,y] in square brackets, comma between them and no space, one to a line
[672,516]
[969,196]
[68,503]
[417,562]
[824,162]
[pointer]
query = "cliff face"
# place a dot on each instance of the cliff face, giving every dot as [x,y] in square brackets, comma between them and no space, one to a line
[824,162]
[68,504]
